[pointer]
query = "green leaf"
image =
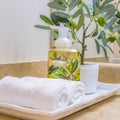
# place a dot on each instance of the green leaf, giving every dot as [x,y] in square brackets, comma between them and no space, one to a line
[110,49]
[97,46]
[110,23]
[118,14]
[95,33]
[57,20]
[118,41]
[74,65]
[77,13]
[52,69]
[80,22]
[95,3]
[104,50]
[109,15]
[59,1]
[43,27]
[62,71]
[46,20]
[86,8]
[60,76]
[106,8]
[77,76]
[103,37]
[54,34]
[61,14]
[107,1]
[74,3]
[52,76]
[96,11]
[116,28]
[57,6]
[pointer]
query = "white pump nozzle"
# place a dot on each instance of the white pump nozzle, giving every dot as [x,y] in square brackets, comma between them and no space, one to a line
[62,41]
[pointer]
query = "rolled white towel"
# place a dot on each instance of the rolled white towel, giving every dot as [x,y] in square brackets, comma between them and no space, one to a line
[39,93]
[76,89]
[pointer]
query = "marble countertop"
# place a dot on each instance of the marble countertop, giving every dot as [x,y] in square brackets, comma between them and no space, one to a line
[105,110]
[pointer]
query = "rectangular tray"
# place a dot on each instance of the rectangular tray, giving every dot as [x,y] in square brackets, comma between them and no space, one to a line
[103,91]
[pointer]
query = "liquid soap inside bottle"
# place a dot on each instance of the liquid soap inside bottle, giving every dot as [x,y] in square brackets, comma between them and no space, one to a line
[64,62]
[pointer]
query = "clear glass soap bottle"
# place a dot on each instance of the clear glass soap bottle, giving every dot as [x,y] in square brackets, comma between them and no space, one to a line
[63,61]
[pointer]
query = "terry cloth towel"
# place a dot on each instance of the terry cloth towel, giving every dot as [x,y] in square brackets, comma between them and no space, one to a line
[40,93]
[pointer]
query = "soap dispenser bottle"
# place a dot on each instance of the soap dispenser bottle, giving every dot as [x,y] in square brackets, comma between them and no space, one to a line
[63,61]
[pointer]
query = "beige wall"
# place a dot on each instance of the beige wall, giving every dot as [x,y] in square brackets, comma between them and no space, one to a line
[19,40]
[116,51]
[116,47]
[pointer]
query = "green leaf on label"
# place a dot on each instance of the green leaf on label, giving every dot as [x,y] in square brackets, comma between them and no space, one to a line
[52,69]
[60,76]
[77,75]
[62,71]
[52,76]
[74,66]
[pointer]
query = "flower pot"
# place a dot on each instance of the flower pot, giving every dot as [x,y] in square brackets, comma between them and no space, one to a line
[89,76]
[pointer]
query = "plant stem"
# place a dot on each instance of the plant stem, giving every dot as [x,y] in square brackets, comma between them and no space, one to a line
[83,45]
[84,36]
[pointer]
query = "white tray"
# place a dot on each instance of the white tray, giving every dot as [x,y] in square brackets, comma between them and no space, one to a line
[103,91]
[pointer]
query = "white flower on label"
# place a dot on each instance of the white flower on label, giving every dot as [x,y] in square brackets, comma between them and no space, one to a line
[58,63]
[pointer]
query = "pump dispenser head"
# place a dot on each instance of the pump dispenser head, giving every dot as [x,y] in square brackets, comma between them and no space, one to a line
[63,41]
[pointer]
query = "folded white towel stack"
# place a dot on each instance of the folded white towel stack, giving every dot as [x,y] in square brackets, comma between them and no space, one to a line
[40,93]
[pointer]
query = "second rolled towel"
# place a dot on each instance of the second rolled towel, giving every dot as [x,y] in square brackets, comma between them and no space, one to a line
[40,93]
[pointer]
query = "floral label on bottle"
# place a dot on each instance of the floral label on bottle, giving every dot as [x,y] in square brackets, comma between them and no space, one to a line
[64,64]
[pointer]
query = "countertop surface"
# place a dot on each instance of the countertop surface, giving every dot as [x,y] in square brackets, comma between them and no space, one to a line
[108,109]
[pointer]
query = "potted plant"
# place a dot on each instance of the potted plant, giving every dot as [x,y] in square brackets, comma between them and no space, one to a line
[73,14]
